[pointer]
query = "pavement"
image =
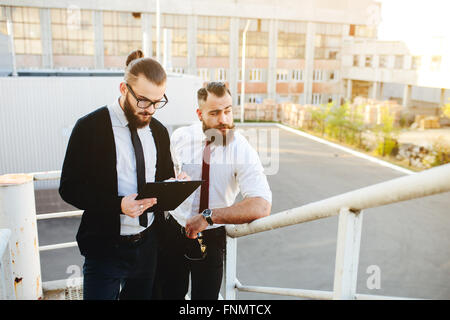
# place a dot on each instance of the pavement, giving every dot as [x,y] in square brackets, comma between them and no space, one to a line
[408,242]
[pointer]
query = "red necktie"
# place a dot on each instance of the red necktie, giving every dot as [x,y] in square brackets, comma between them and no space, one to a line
[204,189]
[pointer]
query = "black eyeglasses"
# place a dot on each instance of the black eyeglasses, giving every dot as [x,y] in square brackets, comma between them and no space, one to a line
[145,103]
[195,252]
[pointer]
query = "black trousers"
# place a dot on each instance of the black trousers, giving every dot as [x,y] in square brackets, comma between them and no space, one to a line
[128,275]
[172,275]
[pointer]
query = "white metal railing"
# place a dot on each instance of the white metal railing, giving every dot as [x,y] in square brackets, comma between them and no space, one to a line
[6,275]
[55,175]
[348,206]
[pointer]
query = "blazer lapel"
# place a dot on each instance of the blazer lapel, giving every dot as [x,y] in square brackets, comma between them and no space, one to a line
[158,147]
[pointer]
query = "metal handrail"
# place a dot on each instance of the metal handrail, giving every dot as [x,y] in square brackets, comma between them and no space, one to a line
[349,207]
[422,184]
[65,214]
[54,175]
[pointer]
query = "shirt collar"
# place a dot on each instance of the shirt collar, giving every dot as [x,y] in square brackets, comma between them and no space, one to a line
[119,112]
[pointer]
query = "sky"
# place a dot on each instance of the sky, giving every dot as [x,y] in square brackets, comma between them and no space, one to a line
[414,21]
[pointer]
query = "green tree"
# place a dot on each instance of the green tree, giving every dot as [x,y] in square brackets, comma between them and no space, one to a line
[446,110]
[337,121]
[386,133]
[319,116]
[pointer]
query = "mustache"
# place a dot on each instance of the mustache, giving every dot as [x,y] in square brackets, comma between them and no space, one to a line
[225,126]
[146,113]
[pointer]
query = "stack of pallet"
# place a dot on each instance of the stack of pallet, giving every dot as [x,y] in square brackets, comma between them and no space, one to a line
[373,110]
[371,114]
[250,111]
[427,122]
[269,110]
[305,118]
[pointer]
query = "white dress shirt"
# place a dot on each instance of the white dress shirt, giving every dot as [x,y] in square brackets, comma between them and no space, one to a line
[126,163]
[234,168]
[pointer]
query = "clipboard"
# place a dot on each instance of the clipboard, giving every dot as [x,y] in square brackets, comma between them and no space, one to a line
[169,194]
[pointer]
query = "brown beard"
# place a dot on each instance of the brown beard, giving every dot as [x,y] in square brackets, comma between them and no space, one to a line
[217,137]
[134,120]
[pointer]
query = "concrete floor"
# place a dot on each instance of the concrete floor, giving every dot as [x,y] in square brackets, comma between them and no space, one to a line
[409,242]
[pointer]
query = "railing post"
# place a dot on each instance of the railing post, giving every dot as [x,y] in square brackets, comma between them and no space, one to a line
[6,278]
[230,268]
[347,254]
[18,214]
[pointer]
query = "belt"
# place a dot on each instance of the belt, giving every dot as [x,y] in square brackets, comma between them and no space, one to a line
[136,238]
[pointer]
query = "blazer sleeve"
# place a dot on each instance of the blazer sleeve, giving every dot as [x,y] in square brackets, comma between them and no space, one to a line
[75,187]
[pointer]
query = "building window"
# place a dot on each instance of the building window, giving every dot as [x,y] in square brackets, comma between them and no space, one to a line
[351,31]
[316,98]
[121,33]
[435,63]
[178,26]
[318,75]
[356,60]
[213,37]
[416,62]
[332,75]
[398,62]
[3,28]
[27,30]
[72,32]
[203,73]
[365,31]
[257,39]
[221,75]
[324,44]
[282,75]
[291,40]
[178,70]
[382,61]
[297,75]
[332,55]
[255,98]
[368,61]
[255,75]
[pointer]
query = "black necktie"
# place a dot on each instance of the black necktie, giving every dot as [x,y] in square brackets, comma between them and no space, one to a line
[140,169]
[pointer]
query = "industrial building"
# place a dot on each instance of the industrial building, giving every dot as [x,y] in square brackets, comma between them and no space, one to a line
[293,48]
[307,52]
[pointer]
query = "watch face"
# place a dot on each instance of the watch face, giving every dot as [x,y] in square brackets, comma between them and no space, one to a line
[207,214]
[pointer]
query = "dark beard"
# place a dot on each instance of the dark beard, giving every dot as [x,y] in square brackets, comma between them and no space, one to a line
[133,119]
[216,137]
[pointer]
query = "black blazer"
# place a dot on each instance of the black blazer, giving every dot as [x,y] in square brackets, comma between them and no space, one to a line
[89,179]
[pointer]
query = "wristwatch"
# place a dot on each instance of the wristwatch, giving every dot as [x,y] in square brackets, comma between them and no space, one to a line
[207,214]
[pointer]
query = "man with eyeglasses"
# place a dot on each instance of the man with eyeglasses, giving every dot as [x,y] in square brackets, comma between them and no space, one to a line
[194,233]
[111,154]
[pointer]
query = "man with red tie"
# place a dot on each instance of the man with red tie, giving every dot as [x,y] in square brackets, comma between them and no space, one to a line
[214,152]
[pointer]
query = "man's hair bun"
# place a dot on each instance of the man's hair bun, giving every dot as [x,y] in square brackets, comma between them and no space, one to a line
[148,67]
[136,54]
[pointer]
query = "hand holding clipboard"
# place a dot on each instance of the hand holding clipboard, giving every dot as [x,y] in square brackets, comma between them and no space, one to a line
[169,194]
